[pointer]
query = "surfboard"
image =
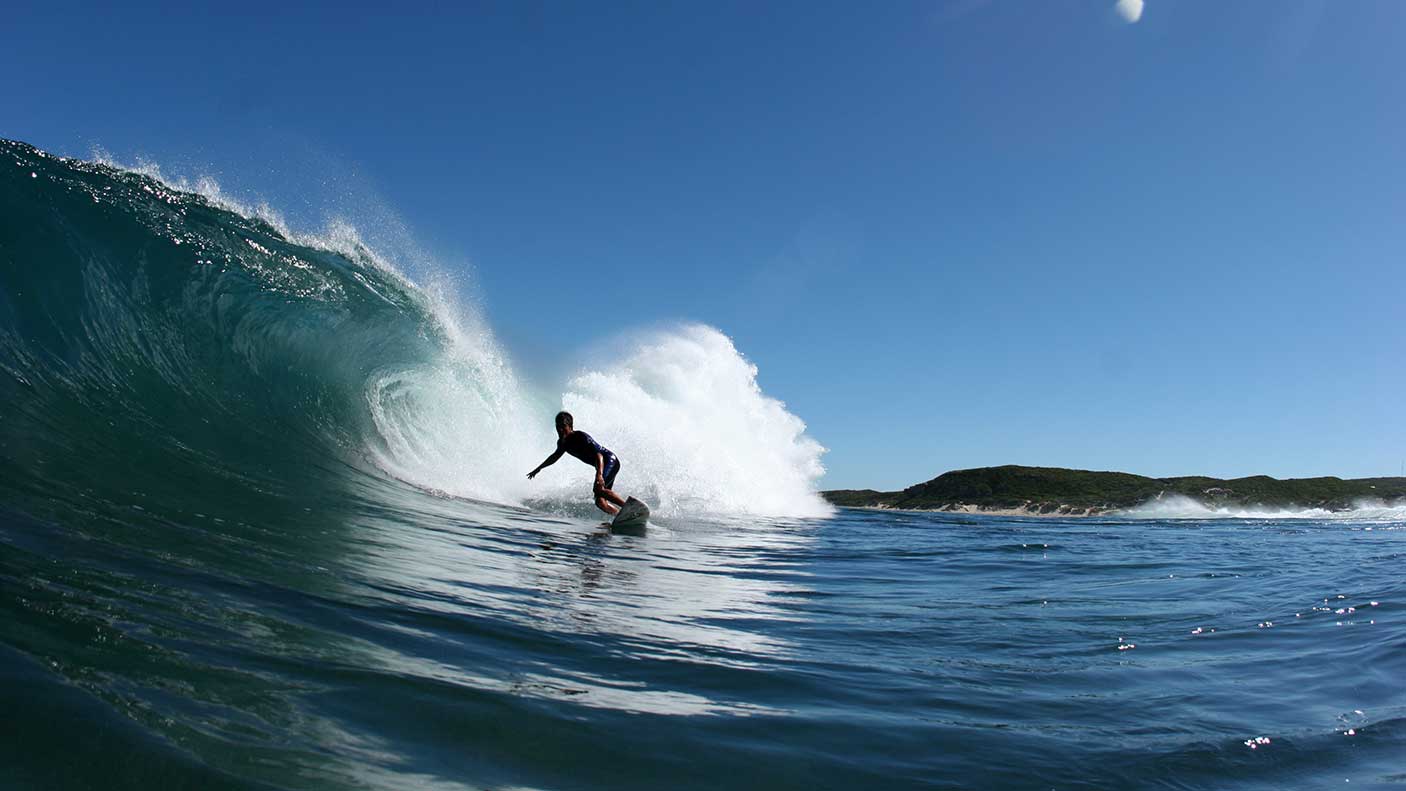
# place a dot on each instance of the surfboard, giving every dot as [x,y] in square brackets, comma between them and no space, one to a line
[632,514]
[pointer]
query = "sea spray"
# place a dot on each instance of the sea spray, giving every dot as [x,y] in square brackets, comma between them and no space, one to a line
[683,410]
[695,430]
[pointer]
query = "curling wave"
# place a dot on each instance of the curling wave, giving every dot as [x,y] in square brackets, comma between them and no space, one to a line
[146,325]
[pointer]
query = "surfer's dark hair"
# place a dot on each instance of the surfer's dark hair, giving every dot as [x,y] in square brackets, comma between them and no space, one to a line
[564,419]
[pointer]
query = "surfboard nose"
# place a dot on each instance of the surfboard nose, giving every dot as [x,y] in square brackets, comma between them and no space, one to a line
[634,513]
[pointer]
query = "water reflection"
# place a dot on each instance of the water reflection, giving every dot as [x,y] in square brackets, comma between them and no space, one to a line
[695,593]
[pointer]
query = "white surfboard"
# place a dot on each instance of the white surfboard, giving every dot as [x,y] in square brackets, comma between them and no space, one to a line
[632,514]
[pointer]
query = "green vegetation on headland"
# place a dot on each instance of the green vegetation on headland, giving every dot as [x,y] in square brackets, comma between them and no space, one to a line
[1053,490]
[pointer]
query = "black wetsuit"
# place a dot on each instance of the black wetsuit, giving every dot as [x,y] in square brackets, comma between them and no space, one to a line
[582,446]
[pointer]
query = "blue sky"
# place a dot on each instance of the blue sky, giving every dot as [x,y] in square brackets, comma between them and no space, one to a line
[949,234]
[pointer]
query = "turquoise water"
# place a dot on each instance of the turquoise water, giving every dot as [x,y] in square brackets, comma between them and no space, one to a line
[218,569]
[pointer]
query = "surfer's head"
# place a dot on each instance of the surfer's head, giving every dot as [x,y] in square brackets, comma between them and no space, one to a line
[564,423]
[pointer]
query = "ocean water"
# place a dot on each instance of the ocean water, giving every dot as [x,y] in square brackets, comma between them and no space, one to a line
[263,524]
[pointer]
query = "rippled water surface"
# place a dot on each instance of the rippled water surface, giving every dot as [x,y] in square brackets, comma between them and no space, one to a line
[438,643]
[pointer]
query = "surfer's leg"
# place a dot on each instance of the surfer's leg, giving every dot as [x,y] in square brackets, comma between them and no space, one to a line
[604,498]
[612,468]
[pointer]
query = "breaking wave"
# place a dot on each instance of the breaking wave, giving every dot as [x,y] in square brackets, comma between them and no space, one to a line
[1183,507]
[147,323]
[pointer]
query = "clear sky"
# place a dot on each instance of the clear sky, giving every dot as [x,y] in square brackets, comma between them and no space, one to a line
[950,234]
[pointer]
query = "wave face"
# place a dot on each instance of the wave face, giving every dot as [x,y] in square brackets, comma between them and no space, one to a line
[1183,507]
[144,326]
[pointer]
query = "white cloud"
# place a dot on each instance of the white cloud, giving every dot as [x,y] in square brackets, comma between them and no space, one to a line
[1129,10]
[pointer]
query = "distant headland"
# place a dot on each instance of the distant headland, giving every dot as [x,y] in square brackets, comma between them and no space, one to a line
[1054,491]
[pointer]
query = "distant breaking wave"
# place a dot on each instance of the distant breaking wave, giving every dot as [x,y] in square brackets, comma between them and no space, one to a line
[1182,507]
[151,325]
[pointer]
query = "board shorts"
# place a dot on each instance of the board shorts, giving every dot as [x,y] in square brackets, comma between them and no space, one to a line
[608,472]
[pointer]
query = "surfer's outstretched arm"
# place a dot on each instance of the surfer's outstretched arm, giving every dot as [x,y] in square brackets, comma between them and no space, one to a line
[550,460]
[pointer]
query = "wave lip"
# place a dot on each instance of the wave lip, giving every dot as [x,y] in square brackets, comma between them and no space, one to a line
[200,337]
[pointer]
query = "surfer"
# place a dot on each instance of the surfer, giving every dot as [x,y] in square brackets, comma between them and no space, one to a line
[582,446]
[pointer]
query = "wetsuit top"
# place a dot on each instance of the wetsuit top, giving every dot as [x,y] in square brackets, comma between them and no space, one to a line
[580,445]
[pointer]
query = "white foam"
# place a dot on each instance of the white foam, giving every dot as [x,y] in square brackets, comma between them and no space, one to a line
[461,424]
[682,410]
[1176,506]
[695,432]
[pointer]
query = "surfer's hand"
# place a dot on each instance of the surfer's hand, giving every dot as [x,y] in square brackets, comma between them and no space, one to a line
[532,475]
